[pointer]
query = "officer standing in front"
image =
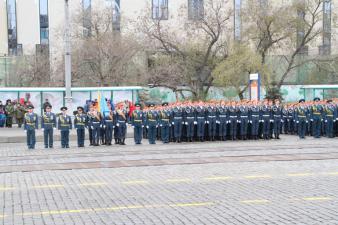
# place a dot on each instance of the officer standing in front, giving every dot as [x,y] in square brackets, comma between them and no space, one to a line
[301,118]
[121,123]
[64,125]
[165,124]
[137,123]
[152,124]
[330,114]
[95,124]
[30,125]
[108,126]
[316,118]
[48,124]
[80,123]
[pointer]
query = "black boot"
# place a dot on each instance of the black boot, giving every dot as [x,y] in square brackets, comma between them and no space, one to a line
[122,142]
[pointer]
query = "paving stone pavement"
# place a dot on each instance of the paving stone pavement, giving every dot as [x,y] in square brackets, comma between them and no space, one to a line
[268,192]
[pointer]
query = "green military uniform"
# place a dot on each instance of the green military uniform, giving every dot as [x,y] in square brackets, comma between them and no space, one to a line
[19,114]
[9,115]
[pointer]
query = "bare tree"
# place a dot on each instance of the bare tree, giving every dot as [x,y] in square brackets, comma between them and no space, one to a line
[192,50]
[30,71]
[235,70]
[103,56]
[284,30]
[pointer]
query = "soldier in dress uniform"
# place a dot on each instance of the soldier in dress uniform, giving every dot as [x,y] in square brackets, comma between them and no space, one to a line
[64,125]
[243,120]
[222,121]
[301,118]
[121,123]
[266,118]
[137,120]
[211,119]
[316,117]
[277,118]
[90,114]
[200,119]
[30,125]
[152,123]
[95,123]
[177,122]
[80,124]
[189,121]
[108,126]
[233,120]
[330,115]
[48,124]
[164,122]
[254,119]
[284,120]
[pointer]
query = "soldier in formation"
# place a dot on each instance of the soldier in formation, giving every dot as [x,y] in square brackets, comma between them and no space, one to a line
[191,122]
[242,120]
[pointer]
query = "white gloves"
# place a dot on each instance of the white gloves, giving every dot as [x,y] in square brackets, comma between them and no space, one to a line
[117,124]
[195,122]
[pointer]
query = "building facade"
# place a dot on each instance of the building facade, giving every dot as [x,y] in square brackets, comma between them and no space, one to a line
[36,26]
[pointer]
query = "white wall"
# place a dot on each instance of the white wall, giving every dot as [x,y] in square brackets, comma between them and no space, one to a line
[3,28]
[28,24]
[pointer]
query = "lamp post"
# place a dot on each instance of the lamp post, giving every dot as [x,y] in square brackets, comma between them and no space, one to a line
[68,72]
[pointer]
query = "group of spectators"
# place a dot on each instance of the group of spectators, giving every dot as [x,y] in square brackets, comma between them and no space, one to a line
[13,111]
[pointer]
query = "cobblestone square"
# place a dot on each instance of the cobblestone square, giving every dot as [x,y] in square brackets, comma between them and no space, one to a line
[287,181]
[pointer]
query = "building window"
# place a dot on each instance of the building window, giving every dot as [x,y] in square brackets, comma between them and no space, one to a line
[44,23]
[87,17]
[237,19]
[160,9]
[326,48]
[195,9]
[114,5]
[12,27]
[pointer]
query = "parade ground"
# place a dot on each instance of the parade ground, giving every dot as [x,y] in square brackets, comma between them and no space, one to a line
[287,181]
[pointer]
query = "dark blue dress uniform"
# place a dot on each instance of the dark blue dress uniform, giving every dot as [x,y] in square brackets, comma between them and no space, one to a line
[233,120]
[64,125]
[137,123]
[121,123]
[266,119]
[223,118]
[316,119]
[189,121]
[301,118]
[177,122]
[291,120]
[211,119]
[330,115]
[200,119]
[152,124]
[277,119]
[285,120]
[48,123]
[30,125]
[165,125]
[95,123]
[80,124]
[243,120]
[254,120]
[108,126]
